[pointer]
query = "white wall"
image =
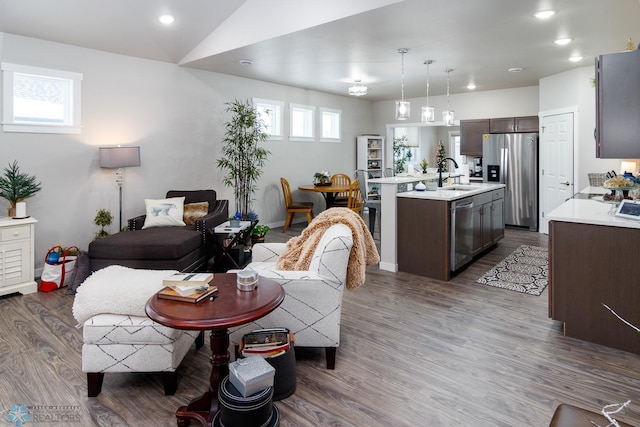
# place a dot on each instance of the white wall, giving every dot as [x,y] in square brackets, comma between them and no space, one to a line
[176,116]
[574,89]
[472,105]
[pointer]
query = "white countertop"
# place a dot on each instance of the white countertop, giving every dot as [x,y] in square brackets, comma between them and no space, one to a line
[450,195]
[590,211]
[406,178]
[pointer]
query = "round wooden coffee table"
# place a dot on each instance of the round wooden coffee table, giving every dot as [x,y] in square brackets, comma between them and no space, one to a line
[230,307]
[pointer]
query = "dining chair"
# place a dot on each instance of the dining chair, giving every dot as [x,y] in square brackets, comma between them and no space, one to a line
[373,205]
[294,207]
[340,199]
[355,201]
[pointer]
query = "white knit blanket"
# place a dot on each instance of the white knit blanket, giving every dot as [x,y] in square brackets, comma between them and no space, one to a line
[117,290]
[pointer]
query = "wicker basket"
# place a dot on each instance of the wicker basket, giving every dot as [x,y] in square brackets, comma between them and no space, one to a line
[596,179]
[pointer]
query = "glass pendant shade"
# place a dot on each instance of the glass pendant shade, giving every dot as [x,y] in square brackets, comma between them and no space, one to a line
[403,110]
[428,114]
[447,117]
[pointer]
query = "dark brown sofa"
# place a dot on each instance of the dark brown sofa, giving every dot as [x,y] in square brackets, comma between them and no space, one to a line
[182,248]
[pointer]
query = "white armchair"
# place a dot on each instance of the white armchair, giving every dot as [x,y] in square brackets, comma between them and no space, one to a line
[313,302]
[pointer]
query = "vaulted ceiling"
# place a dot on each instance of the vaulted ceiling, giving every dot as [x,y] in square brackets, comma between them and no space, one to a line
[327,44]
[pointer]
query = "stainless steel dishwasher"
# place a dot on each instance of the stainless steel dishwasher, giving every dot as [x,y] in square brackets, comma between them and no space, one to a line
[461,232]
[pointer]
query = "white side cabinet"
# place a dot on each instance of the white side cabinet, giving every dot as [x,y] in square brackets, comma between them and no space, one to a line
[370,157]
[16,256]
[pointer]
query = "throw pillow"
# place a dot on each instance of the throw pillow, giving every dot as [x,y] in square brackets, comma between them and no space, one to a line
[164,212]
[193,211]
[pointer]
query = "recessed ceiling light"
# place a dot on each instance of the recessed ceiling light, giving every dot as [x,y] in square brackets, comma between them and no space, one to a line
[516,69]
[245,62]
[471,86]
[575,58]
[562,42]
[544,14]
[166,19]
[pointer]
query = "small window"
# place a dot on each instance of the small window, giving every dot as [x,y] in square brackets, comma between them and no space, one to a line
[271,114]
[40,100]
[330,125]
[302,117]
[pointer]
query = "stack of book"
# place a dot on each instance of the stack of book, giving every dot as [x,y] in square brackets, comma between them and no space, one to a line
[267,343]
[188,287]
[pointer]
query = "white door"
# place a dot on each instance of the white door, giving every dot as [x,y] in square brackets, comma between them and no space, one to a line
[556,164]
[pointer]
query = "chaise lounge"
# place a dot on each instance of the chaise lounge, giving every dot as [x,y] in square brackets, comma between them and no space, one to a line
[177,247]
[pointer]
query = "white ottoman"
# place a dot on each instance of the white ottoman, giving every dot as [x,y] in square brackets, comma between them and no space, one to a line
[119,343]
[118,336]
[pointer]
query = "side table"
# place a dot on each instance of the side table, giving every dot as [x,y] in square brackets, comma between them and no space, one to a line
[225,238]
[231,307]
[16,256]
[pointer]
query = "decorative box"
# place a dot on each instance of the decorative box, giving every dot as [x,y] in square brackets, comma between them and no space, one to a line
[251,375]
[246,280]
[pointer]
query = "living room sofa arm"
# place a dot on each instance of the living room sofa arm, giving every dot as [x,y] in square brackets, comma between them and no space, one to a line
[263,252]
[217,216]
[136,223]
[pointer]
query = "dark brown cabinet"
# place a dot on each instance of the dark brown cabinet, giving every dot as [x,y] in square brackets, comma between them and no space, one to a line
[471,132]
[488,219]
[618,105]
[514,124]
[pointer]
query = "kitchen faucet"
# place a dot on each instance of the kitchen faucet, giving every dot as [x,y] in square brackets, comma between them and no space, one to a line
[440,168]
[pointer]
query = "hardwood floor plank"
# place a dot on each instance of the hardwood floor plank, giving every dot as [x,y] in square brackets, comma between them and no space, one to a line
[413,351]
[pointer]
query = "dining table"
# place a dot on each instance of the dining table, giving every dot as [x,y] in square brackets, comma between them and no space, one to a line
[328,191]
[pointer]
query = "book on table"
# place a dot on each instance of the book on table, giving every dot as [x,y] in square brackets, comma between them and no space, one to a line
[169,292]
[188,283]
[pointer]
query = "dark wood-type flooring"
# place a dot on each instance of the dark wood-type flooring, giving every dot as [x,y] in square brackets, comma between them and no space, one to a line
[414,352]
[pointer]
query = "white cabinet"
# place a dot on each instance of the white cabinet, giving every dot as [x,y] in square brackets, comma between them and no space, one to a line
[16,256]
[370,157]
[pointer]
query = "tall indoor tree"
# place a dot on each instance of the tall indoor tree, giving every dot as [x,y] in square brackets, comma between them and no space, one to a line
[243,157]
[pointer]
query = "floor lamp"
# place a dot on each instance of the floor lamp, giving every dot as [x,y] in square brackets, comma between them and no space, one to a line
[118,158]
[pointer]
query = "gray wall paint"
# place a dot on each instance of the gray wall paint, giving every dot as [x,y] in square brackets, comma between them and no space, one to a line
[176,116]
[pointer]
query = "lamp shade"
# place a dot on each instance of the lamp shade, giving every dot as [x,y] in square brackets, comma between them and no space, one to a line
[119,157]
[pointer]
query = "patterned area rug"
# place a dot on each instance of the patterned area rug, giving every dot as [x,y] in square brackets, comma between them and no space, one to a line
[525,270]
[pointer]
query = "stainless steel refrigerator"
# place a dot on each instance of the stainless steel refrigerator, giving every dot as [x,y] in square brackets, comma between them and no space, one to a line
[512,159]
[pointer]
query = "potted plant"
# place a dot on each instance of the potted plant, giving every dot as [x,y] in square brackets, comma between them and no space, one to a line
[103,219]
[259,232]
[401,153]
[322,178]
[424,164]
[16,186]
[242,156]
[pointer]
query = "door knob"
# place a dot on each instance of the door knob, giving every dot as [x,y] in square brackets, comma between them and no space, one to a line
[565,183]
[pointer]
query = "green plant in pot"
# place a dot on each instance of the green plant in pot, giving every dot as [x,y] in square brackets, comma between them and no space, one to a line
[401,153]
[15,186]
[103,219]
[242,156]
[259,232]
[424,164]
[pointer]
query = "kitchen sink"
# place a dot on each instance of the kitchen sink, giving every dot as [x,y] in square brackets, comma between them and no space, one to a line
[459,188]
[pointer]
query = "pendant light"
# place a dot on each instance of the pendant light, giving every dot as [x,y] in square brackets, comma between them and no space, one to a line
[428,112]
[447,115]
[403,108]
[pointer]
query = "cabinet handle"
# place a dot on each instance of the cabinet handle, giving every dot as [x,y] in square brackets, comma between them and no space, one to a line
[15,233]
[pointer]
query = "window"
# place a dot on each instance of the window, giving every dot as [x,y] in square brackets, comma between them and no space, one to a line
[330,125]
[271,114]
[302,117]
[40,100]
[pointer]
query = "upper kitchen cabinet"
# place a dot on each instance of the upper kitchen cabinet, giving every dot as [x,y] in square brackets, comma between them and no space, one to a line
[514,124]
[618,105]
[471,132]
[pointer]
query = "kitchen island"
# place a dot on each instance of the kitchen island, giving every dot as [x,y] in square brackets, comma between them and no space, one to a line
[592,259]
[440,231]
